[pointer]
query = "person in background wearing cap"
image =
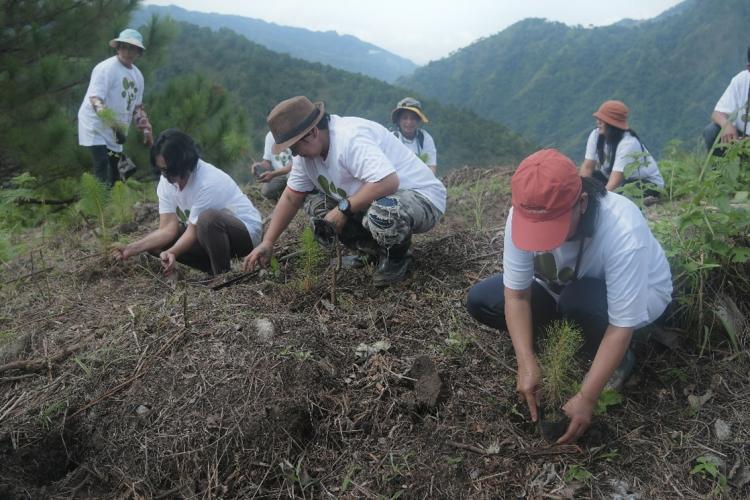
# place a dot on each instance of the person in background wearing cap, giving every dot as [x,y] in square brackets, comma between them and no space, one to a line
[222,222]
[408,118]
[114,98]
[732,112]
[573,250]
[273,170]
[615,154]
[371,189]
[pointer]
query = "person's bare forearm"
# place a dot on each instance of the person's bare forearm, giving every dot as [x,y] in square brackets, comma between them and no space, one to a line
[155,240]
[721,119]
[520,324]
[371,191]
[286,208]
[185,242]
[608,357]
[587,168]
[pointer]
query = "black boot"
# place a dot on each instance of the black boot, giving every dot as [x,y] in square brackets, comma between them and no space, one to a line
[394,262]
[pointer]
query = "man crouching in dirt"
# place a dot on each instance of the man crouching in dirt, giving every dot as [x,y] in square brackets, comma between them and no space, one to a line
[603,269]
[372,189]
[222,222]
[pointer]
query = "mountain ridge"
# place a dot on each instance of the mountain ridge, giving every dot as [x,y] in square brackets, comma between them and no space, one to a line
[342,51]
[544,79]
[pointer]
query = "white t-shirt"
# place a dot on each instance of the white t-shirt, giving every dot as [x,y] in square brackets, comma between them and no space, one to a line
[734,99]
[628,153]
[622,251]
[428,146]
[362,151]
[278,161]
[121,89]
[208,187]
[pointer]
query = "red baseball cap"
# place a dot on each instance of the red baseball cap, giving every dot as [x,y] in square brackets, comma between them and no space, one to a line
[544,189]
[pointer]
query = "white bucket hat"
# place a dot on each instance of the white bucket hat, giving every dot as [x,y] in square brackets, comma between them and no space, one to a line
[129,36]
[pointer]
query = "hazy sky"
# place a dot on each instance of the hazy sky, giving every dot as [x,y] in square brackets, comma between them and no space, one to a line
[423,30]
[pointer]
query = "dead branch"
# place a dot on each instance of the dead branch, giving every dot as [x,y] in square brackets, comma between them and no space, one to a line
[33,365]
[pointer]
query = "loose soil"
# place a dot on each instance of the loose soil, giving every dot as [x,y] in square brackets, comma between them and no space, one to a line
[257,389]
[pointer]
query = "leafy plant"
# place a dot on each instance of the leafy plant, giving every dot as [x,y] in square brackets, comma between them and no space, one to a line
[560,370]
[577,473]
[704,234]
[708,468]
[607,398]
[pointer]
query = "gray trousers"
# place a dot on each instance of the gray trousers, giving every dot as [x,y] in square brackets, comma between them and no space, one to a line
[388,221]
[272,189]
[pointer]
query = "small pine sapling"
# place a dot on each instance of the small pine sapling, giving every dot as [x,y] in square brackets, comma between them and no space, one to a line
[560,375]
[311,256]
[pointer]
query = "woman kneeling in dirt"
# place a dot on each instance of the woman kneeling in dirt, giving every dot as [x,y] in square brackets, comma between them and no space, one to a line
[222,222]
[573,250]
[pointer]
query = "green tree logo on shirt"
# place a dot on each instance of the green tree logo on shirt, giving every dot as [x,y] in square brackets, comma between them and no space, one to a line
[129,91]
[330,188]
[545,269]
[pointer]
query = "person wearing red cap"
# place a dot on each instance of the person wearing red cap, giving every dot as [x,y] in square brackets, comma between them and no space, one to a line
[615,154]
[573,250]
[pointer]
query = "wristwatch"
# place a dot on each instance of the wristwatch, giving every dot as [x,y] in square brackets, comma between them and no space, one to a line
[345,207]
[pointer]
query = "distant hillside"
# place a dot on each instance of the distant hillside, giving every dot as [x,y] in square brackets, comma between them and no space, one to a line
[544,79]
[259,78]
[340,51]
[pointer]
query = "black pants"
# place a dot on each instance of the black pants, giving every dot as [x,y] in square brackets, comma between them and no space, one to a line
[221,236]
[583,301]
[105,164]
[648,188]
[710,133]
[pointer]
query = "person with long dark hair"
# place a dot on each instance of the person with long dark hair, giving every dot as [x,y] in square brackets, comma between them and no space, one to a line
[221,221]
[616,155]
[573,250]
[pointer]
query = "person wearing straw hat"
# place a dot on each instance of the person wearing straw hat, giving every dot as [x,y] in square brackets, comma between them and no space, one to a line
[615,154]
[573,250]
[113,99]
[368,187]
[408,117]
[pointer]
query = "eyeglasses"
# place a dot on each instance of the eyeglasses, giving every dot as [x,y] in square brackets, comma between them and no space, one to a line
[304,138]
[129,47]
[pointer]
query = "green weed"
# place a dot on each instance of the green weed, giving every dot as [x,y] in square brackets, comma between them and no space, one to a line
[708,468]
[607,398]
[50,412]
[577,473]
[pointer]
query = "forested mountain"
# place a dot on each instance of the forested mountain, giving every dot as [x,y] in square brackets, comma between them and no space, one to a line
[258,78]
[544,79]
[340,51]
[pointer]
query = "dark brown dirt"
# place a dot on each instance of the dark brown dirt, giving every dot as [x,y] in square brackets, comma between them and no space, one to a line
[178,394]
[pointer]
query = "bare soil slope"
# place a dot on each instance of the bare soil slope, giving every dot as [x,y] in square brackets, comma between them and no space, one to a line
[114,383]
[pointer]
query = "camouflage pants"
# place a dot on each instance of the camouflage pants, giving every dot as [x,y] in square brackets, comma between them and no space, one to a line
[389,221]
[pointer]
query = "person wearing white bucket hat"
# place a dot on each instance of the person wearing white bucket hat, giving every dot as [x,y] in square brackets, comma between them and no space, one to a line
[113,99]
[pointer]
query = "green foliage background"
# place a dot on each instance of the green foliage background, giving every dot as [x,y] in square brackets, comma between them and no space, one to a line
[544,79]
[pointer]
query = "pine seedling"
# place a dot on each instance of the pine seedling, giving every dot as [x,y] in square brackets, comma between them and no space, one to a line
[310,258]
[560,370]
[122,199]
[94,199]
